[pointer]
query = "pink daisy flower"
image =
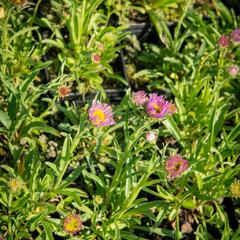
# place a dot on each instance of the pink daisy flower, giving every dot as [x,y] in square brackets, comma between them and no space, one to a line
[157,106]
[101,114]
[233,70]
[139,98]
[235,35]
[175,166]
[224,41]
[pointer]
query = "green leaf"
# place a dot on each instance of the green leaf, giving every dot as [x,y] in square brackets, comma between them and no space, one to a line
[48,231]
[20,203]
[216,122]
[234,133]
[53,167]
[70,191]
[159,231]
[5,119]
[38,126]
[93,177]
[30,79]
[72,176]
[65,156]
[22,32]
[130,236]
[162,29]
[8,169]
[55,43]
[164,194]
[7,82]
[199,180]
[172,127]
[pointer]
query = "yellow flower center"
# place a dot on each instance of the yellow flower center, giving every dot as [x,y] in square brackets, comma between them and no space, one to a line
[100,116]
[157,108]
[73,225]
[177,166]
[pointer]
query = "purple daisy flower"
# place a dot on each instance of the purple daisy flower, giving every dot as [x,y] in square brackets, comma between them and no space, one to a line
[224,41]
[139,98]
[175,166]
[101,114]
[235,35]
[157,106]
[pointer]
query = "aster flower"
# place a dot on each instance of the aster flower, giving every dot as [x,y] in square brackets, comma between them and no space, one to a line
[151,137]
[233,70]
[96,58]
[157,106]
[72,224]
[64,91]
[175,166]
[139,98]
[101,114]
[224,41]
[235,35]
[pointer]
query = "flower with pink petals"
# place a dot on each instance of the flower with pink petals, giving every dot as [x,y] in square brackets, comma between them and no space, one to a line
[175,166]
[233,70]
[72,224]
[157,106]
[224,41]
[139,98]
[235,35]
[101,114]
[151,137]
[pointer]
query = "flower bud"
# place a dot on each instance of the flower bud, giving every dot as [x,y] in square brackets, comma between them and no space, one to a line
[151,137]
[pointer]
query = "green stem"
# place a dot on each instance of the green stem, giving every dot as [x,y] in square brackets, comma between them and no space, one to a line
[35,11]
[47,111]
[124,158]
[10,217]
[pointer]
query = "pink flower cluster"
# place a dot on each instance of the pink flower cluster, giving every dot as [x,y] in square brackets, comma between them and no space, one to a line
[224,41]
[100,114]
[156,106]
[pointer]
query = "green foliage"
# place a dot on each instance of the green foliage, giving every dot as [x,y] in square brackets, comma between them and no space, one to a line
[89,35]
[55,162]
